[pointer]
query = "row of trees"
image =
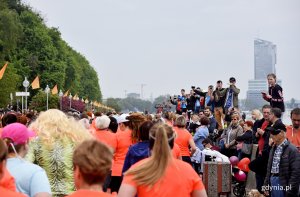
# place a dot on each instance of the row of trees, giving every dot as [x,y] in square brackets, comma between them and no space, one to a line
[135,104]
[34,49]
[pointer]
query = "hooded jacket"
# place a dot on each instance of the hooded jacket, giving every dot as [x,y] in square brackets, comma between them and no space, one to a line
[136,153]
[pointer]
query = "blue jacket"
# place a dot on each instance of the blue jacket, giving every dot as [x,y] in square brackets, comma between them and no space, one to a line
[136,153]
[200,135]
[212,124]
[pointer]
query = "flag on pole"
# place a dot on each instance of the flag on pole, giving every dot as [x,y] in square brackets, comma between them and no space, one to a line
[75,97]
[66,93]
[35,83]
[54,90]
[3,70]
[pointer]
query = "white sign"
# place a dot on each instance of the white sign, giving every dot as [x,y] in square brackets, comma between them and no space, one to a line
[22,93]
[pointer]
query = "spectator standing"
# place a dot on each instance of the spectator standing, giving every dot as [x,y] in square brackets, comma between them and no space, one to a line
[219,96]
[246,140]
[201,133]
[212,121]
[232,93]
[275,95]
[283,170]
[293,132]
[256,116]
[230,134]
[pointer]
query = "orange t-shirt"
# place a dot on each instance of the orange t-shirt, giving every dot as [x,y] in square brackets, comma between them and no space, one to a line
[123,142]
[8,193]
[176,151]
[293,135]
[8,181]
[89,193]
[169,123]
[107,138]
[182,139]
[180,179]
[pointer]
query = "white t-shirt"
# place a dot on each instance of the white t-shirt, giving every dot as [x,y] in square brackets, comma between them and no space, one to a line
[30,178]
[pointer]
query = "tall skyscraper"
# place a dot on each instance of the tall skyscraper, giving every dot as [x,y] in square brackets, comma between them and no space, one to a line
[264,64]
[264,58]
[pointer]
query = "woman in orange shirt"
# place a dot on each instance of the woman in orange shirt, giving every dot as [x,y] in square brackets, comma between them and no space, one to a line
[161,174]
[92,162]
[103,134]
[126,136]
[184,139]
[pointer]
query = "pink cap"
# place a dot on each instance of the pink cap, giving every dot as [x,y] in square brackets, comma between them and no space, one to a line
[17,132]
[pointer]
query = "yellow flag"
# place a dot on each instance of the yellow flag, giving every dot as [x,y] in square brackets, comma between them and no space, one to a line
[35,83]
[66,93]
[75,97]
[3,70]
[54,90]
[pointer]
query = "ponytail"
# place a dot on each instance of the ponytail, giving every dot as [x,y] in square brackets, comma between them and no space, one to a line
[148,173]
[11,147]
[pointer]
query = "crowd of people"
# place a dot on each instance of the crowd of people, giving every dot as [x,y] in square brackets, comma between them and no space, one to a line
[63,154]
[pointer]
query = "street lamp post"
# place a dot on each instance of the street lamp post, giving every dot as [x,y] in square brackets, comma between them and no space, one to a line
[60,94]
[70,97]
[25,84]
[47,90]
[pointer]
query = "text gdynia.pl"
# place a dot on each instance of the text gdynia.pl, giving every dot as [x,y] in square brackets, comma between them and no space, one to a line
[276,187]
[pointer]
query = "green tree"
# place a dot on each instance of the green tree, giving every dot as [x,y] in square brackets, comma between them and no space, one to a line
[113,103]
[39,101]
[34,49]
[8,84]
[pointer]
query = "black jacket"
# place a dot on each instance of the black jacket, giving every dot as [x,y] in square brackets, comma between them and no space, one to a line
[277,97]
[289,169]
[246,137]
[257,124]
[259,165]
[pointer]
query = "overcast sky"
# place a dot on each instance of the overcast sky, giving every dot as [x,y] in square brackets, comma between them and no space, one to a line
[172,44]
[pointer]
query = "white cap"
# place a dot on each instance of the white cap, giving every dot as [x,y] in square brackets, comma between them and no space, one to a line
[122,118]
[102,122]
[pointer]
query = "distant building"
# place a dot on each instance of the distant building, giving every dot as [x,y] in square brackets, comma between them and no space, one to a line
[133,95]
[264,59]
[264,64]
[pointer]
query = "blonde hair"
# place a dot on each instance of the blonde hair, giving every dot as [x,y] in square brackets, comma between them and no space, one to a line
[149,172]
[53,125]
[180,121]
[258,115]
[235,115]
